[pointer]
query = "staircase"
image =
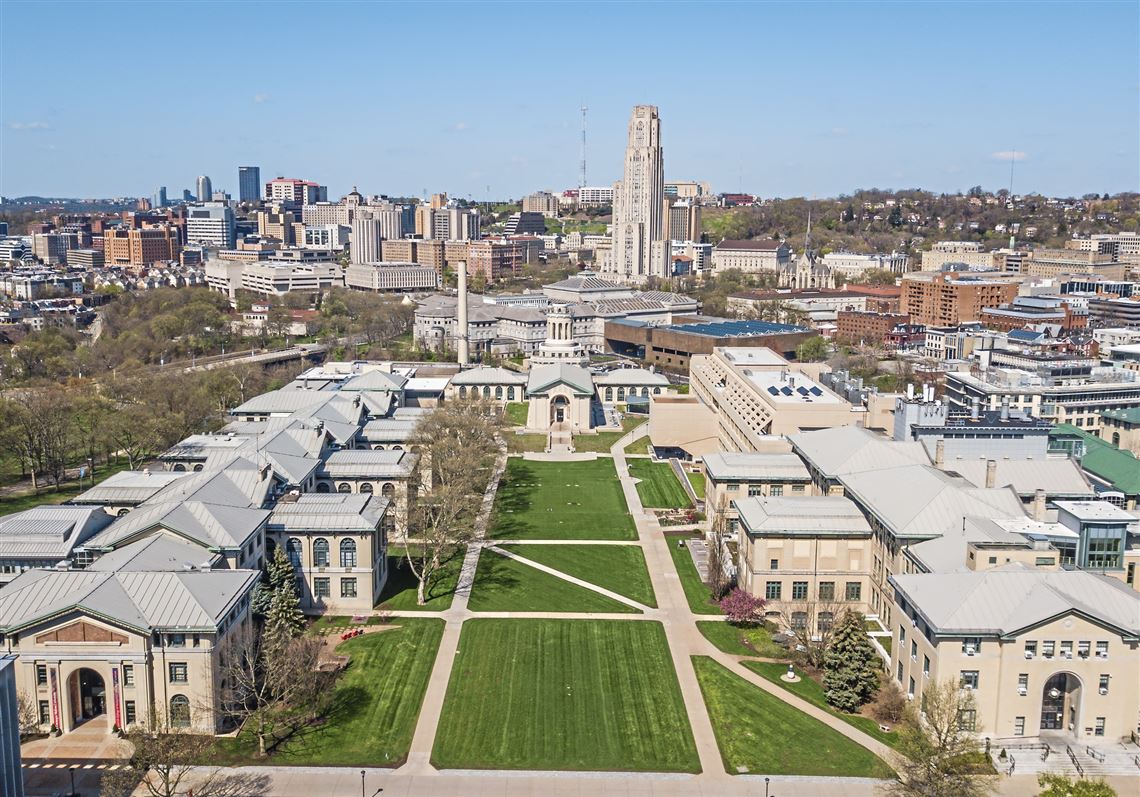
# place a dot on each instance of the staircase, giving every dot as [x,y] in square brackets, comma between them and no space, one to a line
[1071,758]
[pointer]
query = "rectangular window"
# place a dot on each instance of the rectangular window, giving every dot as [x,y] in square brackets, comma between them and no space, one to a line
[776,489]
[129,715]
[913,651]
[772,590]
[321,588]
[968,679]
[1102,650]
[775,564]
[902,633]
[1103,687]
[732,486]
[1030,649]
[967,719]
[1023,683]
[41,675]
[178,672]
[799,590]
[799,488]
[348,587]
[971,645]
[1098,728]
[854,590]
[1046,561]
[1083,649]
[1047,648]
[754,490]
[45,712]
[926,666]
[1067,650]
[827,590]
[910,688]
[900,672]
[176,640]
[128,675]
[1019,726]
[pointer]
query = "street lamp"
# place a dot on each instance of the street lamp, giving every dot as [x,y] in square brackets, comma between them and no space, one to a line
[71,772]
[362,783]
[765,787]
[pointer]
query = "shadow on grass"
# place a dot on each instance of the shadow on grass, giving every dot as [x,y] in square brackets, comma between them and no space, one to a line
[303,740]
[513,499]
[402,579]
[494,573]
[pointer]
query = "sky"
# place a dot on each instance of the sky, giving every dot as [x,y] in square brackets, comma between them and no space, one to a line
[482,99]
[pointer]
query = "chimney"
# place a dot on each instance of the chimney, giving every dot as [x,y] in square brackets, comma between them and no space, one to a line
[1005,408]
[909,391]
[461,343]
[1038,504]
[974,402]
[991,474]
[939,453]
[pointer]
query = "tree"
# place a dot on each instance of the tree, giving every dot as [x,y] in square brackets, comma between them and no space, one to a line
[812,350]
[167,762]
[851,665]
[1061,786]
[27,715]
[741,607]
[718,579]
[274,686]
[456,446]
[940,755]
[811,624]
[283,617]
[278,576]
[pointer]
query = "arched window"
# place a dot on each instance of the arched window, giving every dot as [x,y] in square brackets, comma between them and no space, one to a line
[657,391]
[344,487]
[320,552]
[198,467]
[462,391]
[621,394]
[180,711]
[397,448]
[366,487]
[1116,439]
[799,620]
[124,512]
[609,394]
[293,551]
[388,490]
[499,392]
[645,392]
[511,393]
[180,468]
[348,553]
[323,487]
[486,391]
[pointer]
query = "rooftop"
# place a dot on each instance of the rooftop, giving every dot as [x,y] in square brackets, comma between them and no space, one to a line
[731,466]
[735,329]
[1096,510]
[807,515]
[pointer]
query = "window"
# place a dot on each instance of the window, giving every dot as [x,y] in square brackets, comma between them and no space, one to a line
[913,651]
[180,711]
[799,590]
[510,394]
[1019,726]
[910,689]
[344,487]
[902,633]
[1067,650]
[1030,649]
[320,552]
[797,488]
[45,712]
[775,564]
[463,391]
[348,553]
[799,620]
[293,551]
[967,719]
[1098,727]
[754,490]
[1103,686]
[176,640]
[128,675]
[499,392]
[348,587]
[854,590]
[320,588]
[733,486]
[1023,683]
[178,672]
[130,716]
[388,490]
[971,645]
[926,666]
[366,487]
[827,590]
[900,672]
[968,679]
[1104,553]
[1047,648]
[1102,650]
[825,622]
[772,590]
[41,675]
[776,489]
[1045,561]
[1083,649]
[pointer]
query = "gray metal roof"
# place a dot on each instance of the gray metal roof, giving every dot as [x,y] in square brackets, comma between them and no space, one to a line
[158,552]
[128,487]
[145,601]
[851,449]
[390,430]
[632,376]
[49,532]
[1096,510]
[544,377]
[730,466]
[1009,599]
[368,464]
[1061,477]
[947,553]
[351,513]
[489,376]
[209,525]
[802,516]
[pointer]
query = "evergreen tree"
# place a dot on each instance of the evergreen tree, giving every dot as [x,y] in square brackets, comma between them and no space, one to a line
[283,617]
[851,665]
[278,574]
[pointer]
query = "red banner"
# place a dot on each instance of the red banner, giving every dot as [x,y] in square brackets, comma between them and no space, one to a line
[115,695]
[55,701]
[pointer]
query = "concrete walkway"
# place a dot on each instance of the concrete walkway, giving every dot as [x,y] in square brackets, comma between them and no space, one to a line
[641,607]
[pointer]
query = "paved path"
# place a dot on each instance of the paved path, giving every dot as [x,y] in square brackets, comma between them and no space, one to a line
[567,577]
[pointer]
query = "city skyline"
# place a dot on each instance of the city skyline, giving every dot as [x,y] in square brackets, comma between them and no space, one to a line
[830,103]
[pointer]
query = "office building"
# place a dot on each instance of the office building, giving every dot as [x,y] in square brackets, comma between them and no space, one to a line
[848,264]
[205,189]
[277,224]
[866,327]
[325,236]
[494,259]
[595,196]
[249,183]
[751,257]
[525,223]
[52,247]
[682,219]
[454,224]
[272,277]
[638,202]
[159,200]
[947,253]
[85,259]
[295,193]
[211,224]
[381,277]
[541,202]
[140,247]
[938,300]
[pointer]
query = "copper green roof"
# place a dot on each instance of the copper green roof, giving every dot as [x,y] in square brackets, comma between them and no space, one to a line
[1119,468]
[1128,415]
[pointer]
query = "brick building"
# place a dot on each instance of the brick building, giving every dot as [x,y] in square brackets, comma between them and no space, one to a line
[938,300]
[140,247]
[855,326]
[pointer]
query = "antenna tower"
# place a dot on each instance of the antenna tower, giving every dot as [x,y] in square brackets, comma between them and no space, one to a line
[582,176]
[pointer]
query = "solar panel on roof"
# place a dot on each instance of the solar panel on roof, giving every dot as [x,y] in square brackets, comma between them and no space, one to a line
[802,391]
[815,391]
[787,391]
[773,391]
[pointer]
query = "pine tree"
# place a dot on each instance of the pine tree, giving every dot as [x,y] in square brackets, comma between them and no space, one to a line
[283,617]
[278,574]
[851,665]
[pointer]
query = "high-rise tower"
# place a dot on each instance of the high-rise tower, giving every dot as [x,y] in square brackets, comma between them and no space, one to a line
[639,202]
[249,183]
[205,189]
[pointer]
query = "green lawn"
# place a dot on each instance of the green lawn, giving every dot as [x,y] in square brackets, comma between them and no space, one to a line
[602,442]
[564,694]
[49,495]
[561,500]
[377,703]
[516,413]
[399,591]
[504,585]
[755,641]
[522,443]
[698,481]
[618,568]
[696,591]
[658,488]
[758,732]
[638,446]
[812,692]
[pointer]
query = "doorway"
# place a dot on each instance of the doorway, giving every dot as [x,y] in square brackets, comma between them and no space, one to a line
[88,694]
[559,409]
[1060,703]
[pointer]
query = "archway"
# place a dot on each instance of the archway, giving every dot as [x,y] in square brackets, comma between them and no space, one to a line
[88,695]
[559,409]
[1061,703]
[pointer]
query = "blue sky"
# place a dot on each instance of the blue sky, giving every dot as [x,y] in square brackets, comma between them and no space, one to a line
[481,99]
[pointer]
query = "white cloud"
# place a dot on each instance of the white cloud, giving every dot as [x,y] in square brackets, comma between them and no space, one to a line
[459,127]
[1009,155]
[839,131]
[260,98]
[29,126]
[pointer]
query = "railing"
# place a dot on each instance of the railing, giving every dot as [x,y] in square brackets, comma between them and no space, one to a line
[1045,753]
[1094,754]
[1136,761]
[1012,765]
[1076,763]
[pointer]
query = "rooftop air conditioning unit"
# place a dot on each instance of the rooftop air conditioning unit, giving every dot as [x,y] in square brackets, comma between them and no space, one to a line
[1104,690]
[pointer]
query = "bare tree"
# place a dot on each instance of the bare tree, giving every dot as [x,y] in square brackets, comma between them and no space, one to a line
[456,445]
[718,579]
[274,686]
[810,624]
[940,752]
[27,715]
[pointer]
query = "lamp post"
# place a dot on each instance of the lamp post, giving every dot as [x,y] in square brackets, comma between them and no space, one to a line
[71,772]
[362,783]
[765,787]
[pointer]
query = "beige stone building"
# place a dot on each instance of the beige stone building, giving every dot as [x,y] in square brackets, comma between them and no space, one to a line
[732,476]
[1046,653]
[683,423]
[1122,428]
[560,397]
[388,473]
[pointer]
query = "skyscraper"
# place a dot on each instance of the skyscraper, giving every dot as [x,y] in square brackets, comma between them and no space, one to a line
[159,200]
[249,183]
[205,189]
[638,203]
